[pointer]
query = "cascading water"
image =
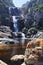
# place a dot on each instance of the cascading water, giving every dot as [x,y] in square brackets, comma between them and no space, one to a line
[11,13]
[15,24]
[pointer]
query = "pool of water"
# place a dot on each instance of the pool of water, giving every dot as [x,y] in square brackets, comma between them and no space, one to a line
[15,49]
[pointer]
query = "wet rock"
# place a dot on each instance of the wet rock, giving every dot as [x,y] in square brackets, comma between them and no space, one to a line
[38,35]
[31,32]
[14,35]
[19,35]
[25,30]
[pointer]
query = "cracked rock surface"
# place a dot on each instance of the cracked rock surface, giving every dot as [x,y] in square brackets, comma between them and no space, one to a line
[34,52]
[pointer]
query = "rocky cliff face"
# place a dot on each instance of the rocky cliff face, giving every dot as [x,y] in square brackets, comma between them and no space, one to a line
[5,18]
[7,3]
[38,17]
[33,11]
[30,5]
[40,1]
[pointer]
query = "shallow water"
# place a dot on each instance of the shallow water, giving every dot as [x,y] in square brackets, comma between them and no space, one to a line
[19,48]
[15,49]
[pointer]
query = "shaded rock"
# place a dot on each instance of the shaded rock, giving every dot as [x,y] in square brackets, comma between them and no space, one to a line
[18,35]
[25,30]
[14,35]
[5,35]
[38,17]
[5,29]
[7,3]
[31,32]
[8,41]
[39,34]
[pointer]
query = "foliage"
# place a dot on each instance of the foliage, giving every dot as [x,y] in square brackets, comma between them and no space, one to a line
[38,7]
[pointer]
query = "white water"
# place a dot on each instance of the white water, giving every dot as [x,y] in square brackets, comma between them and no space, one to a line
[15,24]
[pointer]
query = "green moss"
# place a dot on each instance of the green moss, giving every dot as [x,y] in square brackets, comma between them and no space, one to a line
[38,7]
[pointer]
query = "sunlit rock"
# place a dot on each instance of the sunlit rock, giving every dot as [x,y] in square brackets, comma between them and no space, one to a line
[17,57]
[34,52]
[23,63]
[3,63]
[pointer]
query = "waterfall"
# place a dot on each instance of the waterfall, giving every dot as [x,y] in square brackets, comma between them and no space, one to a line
[15,24]
[11,13]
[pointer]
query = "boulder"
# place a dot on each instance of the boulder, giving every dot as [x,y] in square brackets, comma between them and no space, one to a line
[17,59]
[25,30]
[34,52]
[31,59]
[5,32]
[23,63]
[39,34]
[31,32]
[3,63]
